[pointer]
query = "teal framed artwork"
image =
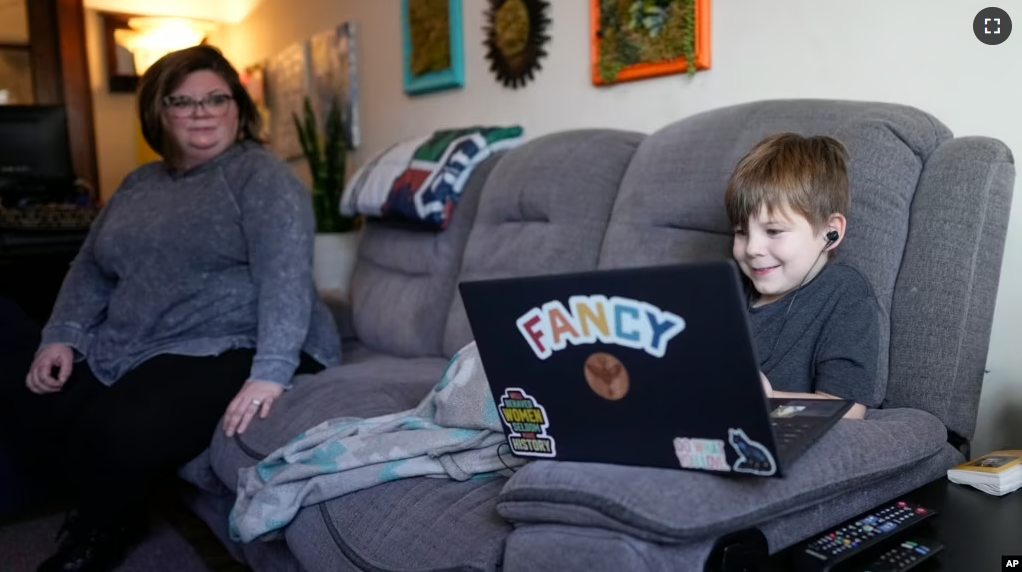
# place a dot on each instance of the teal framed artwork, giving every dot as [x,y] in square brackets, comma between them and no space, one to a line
[434,50]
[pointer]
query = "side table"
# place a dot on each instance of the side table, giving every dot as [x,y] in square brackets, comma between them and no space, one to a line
[975,528]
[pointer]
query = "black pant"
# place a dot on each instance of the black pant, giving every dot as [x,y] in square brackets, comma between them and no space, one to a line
[19,338]
[110,444]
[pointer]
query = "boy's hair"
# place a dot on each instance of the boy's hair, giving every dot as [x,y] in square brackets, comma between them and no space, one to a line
[809,175]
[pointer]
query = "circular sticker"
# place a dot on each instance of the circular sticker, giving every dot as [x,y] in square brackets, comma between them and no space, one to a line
[607,376]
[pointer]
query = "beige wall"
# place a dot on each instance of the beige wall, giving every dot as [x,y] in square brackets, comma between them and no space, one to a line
[916,52]
[13,22]
[114,115]
[15,72]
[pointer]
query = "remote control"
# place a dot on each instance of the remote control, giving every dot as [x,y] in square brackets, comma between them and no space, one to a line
[856,536]
[904,556]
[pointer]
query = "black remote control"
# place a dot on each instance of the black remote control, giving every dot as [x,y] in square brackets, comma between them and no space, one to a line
[904,556]
[856,536]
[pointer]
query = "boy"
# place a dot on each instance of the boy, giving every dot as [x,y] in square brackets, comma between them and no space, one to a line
[815,323]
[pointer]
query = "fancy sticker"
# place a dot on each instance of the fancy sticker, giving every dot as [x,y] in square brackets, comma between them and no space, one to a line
[528,423]
[588,319]
[753,458]
[708,454]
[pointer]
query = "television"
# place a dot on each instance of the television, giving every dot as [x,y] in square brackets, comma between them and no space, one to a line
[34,144]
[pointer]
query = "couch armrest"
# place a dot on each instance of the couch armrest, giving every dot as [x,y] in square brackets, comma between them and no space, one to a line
[672,506]
[343,313]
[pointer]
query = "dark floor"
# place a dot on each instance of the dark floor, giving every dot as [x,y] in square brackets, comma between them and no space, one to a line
[178,542]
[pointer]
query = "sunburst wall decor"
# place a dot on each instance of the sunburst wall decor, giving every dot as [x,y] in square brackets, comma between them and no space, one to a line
[515,35]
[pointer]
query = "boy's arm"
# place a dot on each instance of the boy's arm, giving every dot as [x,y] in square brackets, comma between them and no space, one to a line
[858,411]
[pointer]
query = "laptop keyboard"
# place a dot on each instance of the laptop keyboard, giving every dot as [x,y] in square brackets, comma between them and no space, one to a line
[788,430]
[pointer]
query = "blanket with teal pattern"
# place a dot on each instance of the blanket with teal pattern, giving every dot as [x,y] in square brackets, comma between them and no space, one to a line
[455,432]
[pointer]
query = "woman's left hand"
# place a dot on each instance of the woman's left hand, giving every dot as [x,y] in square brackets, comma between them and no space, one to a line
[254,397]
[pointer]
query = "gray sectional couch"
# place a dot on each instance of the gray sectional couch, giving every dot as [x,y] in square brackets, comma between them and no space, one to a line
[928,225]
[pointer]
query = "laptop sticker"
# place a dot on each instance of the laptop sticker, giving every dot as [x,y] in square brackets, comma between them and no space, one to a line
[528,423]
[753,458]
[587,319]
[707,454]
[606,376]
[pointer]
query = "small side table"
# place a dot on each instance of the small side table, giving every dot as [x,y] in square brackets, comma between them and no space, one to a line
[975,528]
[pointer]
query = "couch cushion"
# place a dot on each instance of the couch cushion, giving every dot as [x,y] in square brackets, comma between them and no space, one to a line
[403,281]
[671,205]
[544,210]
[354,351]
[948,282]
[410,525]
[378,386]
[663,505]
[556,547]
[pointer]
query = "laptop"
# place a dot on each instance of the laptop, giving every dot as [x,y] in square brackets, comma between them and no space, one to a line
[649,367]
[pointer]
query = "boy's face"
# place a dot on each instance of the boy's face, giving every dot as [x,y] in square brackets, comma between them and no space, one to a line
[777,251]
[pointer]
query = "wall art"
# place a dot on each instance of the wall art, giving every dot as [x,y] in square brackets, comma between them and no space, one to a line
[434,53]
[121,75]
[638,39]
[324,69]
[253,78]
[285,94]
[516,32]
[333,78]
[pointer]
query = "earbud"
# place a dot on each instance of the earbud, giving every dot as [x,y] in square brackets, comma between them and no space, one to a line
[832,237]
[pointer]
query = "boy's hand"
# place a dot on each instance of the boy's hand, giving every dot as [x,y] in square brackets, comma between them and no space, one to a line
[767,388]
[858,411]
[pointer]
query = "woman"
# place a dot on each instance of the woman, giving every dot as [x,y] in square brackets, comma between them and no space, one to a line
[191,300]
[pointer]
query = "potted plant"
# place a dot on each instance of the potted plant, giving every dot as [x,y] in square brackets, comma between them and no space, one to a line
[336,235]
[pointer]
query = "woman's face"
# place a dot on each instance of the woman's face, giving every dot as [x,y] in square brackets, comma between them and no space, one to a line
[202,117]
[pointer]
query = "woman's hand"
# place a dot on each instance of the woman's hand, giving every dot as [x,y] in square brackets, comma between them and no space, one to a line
[767,388]
[254,397]
[40,378]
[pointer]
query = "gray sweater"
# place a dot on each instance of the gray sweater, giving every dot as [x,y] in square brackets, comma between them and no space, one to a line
[217,258]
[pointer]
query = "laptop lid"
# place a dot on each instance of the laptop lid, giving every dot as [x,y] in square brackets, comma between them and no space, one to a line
[643,366]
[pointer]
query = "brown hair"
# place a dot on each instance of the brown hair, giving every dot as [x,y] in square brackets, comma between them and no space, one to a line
[167,74]
[806,174]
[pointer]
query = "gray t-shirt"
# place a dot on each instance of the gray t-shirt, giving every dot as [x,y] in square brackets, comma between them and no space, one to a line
[829,341]
[217,258]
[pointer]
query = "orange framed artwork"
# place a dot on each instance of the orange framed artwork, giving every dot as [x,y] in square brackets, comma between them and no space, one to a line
[639,39]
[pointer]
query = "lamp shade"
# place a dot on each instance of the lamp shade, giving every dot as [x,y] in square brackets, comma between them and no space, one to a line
[151,38]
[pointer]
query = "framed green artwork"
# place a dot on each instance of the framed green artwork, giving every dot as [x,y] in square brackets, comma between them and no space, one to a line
[434,52]
[638,39]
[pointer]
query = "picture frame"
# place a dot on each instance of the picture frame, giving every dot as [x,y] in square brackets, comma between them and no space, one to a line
[443,67]
[253,79]
[646,70]
[120,66]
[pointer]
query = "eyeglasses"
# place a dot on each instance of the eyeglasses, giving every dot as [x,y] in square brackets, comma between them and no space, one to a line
[215,104]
